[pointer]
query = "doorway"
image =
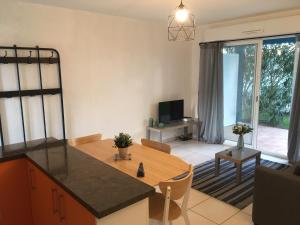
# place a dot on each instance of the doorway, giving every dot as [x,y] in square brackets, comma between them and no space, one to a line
[258,79]
[275,97]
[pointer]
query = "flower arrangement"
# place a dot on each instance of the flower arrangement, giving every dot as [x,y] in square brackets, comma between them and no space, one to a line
[241,129]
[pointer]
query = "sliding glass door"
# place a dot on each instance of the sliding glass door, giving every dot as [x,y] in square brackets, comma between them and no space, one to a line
[277,77]
[258,80]
[240,71]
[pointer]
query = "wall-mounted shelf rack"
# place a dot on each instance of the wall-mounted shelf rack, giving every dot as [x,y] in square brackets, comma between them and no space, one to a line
[11,94]
[28,60]
[38,60]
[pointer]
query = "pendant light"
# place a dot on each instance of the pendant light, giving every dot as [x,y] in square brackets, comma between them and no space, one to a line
[181,25]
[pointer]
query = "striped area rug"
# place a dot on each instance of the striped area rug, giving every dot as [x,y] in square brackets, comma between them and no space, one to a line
[224,186]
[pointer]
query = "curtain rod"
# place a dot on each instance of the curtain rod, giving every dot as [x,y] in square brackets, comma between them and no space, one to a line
[250,38]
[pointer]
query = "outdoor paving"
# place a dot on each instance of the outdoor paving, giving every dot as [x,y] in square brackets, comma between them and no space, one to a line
[272,140]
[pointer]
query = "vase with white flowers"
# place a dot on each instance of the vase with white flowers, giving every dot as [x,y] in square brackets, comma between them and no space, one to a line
[241,130]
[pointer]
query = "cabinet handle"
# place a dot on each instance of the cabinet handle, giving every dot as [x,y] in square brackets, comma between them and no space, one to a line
[31,176]
[54,200]
[62,216]
[1,218]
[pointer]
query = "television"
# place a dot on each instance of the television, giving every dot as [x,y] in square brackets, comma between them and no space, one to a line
[170,111]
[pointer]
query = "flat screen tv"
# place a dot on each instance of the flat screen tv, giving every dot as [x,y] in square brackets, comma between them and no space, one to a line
[170,111]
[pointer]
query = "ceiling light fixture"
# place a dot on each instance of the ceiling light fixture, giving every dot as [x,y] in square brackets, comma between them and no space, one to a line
[181,25]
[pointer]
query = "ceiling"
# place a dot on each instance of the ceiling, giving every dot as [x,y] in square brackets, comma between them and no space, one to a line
[205,11]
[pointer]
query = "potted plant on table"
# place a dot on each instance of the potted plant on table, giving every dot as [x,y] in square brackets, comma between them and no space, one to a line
[122,142]
[241,130]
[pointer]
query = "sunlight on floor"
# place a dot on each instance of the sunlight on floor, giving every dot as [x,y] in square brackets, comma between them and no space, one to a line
[195,152]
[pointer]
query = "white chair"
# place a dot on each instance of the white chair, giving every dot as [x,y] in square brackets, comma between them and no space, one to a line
[162,206]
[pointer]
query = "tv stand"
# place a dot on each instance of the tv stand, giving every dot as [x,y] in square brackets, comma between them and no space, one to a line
[175,126]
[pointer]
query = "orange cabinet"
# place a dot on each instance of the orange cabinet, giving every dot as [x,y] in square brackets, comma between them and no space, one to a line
[29,197]
[51,205]
[73,213]
[14,193]
[42,197]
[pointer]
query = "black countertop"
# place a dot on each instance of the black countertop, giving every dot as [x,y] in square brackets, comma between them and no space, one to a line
[97,186]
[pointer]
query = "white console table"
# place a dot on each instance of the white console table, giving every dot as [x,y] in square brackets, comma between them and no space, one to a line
[175,126]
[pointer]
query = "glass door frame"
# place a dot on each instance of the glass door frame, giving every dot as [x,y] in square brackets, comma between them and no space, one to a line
[256,91]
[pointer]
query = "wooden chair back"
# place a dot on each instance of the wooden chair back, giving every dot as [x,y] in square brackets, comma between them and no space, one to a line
[157,145]
[178,187]
[84,140]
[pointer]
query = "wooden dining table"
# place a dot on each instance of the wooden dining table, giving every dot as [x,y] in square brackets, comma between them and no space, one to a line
[158,166]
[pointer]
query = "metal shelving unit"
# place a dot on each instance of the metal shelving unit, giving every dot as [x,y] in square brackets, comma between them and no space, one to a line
[53,59]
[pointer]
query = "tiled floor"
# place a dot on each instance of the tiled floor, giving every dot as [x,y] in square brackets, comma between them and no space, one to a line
[195,152]
[203,209]
[215,210]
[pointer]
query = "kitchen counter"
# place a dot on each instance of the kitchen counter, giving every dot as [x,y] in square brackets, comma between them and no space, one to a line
[100,188]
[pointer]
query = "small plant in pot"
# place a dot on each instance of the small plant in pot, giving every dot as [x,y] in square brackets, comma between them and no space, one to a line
[122,142]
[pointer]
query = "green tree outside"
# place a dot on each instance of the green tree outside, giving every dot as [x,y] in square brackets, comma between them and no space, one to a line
[275,85]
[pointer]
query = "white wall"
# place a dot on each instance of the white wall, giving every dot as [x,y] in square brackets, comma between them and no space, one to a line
[115,70]
[274,26]
[195,70]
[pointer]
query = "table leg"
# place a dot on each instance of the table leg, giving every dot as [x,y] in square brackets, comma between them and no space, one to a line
[185,132]
[258,160]
[217,166]
[238,172]
[199,130]
[160,136]
[148,134]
